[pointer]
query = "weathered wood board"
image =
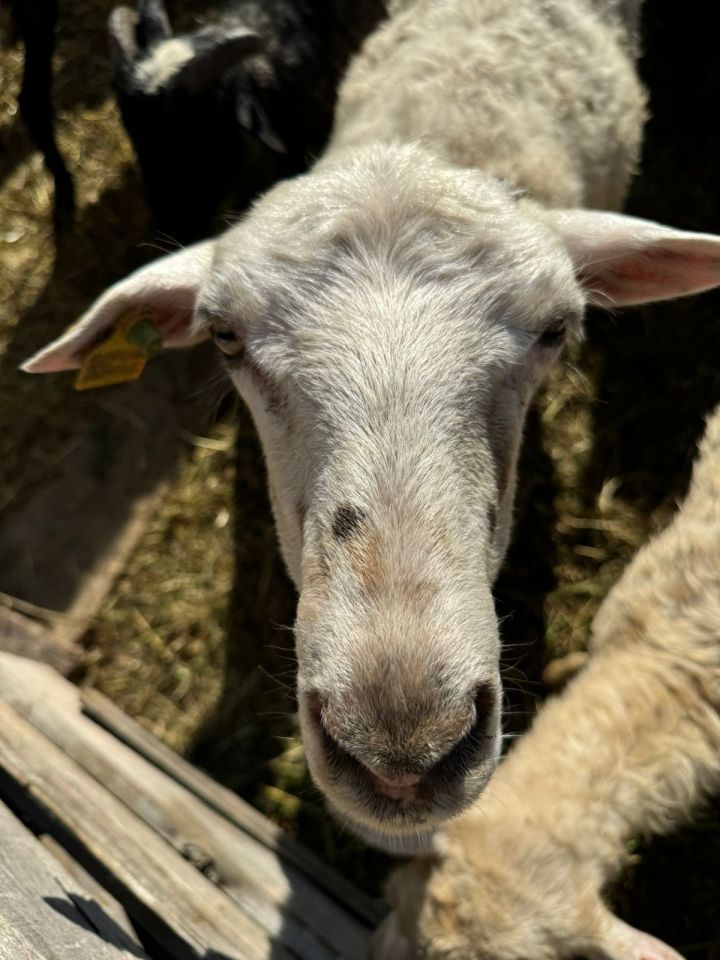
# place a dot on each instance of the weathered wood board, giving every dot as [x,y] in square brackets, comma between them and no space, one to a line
[186,912]
[200,880]
[45,914]
[101,899]
[230,805]
[21,635]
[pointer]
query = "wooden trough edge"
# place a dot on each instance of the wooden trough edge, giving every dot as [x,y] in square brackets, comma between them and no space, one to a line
[104,712]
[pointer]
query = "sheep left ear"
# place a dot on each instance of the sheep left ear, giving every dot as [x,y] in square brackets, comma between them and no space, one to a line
[623,260]
[623,942]
[165,289]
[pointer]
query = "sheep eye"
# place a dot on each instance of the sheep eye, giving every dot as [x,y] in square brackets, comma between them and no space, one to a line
[225,337]
[553,336]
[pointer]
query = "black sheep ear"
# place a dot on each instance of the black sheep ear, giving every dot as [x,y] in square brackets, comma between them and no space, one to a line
[122,34]
[153,23]
[253,118]
[214,53]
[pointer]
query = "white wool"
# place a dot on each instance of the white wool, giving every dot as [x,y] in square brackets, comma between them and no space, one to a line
[163,62]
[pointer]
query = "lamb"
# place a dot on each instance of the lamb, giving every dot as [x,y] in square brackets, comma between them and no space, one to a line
[387,317]
[632,746]
[216,116]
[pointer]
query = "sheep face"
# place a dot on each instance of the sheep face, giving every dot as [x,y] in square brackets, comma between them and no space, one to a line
[450,908]
[505,900]
[387,330]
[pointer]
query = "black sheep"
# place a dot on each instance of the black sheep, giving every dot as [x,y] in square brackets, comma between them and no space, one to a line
[218,115]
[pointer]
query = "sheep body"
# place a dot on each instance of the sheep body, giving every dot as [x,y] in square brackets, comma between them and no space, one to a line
[543,95]
[631,747]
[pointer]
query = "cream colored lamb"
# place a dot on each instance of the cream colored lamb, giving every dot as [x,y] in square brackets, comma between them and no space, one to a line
[631,747]
[387,317]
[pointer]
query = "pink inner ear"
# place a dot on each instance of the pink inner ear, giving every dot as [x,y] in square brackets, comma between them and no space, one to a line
[69,350]
[169,323]
[166,289]
[658,273]
[627,943]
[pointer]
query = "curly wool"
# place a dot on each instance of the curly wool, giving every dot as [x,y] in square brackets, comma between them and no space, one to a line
[632,746]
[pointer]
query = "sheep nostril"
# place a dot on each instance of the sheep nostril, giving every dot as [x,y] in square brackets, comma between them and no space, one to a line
[455,745]
[485,700]
[316,705]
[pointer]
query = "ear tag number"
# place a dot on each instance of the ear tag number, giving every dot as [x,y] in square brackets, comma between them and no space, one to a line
[123,354]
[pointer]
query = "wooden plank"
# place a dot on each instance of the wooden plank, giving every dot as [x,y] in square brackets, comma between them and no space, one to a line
[88,885]
[234,808]
[44,913]
[163,893]
[278,896]
[28,638]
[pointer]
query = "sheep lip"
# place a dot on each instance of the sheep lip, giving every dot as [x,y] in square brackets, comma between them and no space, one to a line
[405,793]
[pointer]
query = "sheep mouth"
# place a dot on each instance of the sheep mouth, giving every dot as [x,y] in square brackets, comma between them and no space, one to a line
[402,820]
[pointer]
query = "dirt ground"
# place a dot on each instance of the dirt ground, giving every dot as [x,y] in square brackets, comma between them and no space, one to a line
[194,638]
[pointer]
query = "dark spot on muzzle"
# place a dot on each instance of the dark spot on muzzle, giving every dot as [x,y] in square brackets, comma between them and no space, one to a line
[346,522]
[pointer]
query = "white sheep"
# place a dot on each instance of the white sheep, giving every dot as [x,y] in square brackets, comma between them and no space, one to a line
[631,747]
[387,317]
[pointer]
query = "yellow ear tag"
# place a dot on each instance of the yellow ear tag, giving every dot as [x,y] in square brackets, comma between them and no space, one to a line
[122,355]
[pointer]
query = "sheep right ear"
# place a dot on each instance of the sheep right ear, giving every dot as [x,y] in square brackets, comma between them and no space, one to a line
[122,34]
[166,288]
[622,260]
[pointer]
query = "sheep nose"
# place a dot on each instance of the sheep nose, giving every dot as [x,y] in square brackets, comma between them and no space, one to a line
[400,744]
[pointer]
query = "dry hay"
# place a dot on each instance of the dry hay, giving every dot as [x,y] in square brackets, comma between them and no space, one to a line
[193,639]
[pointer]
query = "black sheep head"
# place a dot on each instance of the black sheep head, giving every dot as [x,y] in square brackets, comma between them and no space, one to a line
[192,107]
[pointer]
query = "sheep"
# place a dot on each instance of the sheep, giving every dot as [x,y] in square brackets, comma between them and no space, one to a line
[36,21]
[219,114]
[632,746]
[387,318]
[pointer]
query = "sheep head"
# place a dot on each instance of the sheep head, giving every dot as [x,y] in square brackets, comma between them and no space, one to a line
[387,319]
